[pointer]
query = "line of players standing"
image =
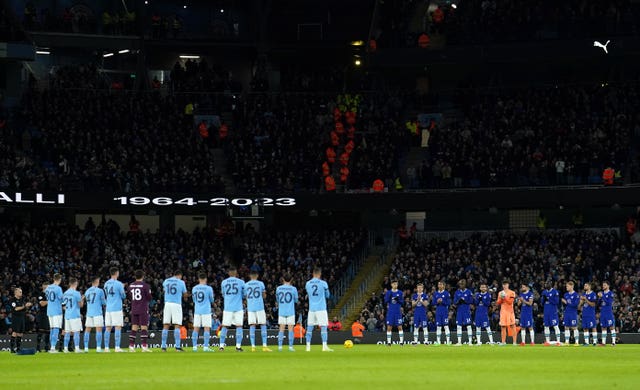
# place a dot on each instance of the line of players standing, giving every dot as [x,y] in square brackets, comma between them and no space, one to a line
[66,306]
[464,299]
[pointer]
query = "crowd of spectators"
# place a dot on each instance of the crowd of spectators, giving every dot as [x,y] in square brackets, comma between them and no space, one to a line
[201,77]
[550,136]
[533,258]
[30,255]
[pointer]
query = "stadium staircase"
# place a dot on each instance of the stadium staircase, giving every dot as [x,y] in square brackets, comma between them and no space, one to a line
[220,162]
[365,283]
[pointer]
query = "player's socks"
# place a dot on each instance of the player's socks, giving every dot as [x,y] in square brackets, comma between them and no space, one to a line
[401,334]
[503,334]
[532,334]
[613,337]
[38,341]
[87,334]
[206,335]
[107,337]
[556,330]
[438,335]
[594,336]
[547,334]
[604,336]
[447,333]
[291,339]
[388,337]
[280,339]
[478,335]
[576,336]
[194,339]
[238,337]
[176,337]
[223,336]
[585,334]
[132,338]
[567,335]
[12,344]
[263,333]
[459,334]
[324,335]
[469,334]
[144,337]
[98,339]
[252,335]
[416,335]
[76,340]
[523,335]
[118,338]
[67,337]
[54,337]
[490,335]
[165,336]
[19,342]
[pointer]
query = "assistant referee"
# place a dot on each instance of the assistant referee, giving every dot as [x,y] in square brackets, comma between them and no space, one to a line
[18,319]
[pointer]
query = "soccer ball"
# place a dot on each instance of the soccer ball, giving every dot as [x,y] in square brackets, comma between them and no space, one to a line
[152,335]
[503,294]
[348,344]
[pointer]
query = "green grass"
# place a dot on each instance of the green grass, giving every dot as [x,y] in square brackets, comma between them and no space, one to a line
[363,367]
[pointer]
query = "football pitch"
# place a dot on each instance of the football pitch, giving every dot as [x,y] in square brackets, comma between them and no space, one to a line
[374,366]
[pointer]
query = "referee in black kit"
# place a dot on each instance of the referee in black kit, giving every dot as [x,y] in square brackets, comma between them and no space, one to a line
[18,314]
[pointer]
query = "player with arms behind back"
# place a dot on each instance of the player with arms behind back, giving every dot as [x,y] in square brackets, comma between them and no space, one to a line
[174,291]
[393,299]
[318,293]
[482,301]
[571,300]
[114,316]
[286,298]
[140,297]
[54,310]
[419,301]
[525,300]
[96,300]
[441,300]
[550,300]
[463,298]
[255,293]
[72,302]
[202,296]
[589,300]
[607,321]
[233,313]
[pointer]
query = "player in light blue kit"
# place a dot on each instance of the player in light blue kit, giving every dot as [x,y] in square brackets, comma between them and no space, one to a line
[571,300]
[255,293]
[419,301]
[589,300]
[525,301]
[463,298]
[482,301]
[72,301]
[175,290]
[202,296]
[54,310]
[607,321]
[286,299]
[233,313]
[318,293]
[394,299]
[550,300]
[441,300]
[114,316]
[95,300]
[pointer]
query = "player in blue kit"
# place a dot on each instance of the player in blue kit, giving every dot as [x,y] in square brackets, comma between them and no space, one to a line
[589,300]
[95,300]
[394,299]
[463,298]
[571,300]
[286,299]
[255,293]
[202,296]
[441,300]
[419,301]
[233,313]
[175,290]
[114,317]
[525,301]
[482,300]
[318,293]
[72,302]
[550,300]
[54,310]
[607,321]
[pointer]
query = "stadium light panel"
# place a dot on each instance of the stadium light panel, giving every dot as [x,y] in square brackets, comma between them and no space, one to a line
[123,51]
[184,56]
[357,43]
[105,55]
[44,52]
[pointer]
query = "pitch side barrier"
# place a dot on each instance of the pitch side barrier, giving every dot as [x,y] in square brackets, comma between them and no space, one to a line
[479,198]
[29,340]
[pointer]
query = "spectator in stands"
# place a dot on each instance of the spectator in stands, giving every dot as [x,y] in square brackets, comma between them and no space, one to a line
[335,324]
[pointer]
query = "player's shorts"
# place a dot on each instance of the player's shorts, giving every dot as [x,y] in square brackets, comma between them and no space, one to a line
[172,314]
[442,319]
[607,320]
[257,317]
[481,322]
[550,319]
[420,321]
[526,322]
[73,325]
[235,318]
[140,319]
[94,322]
[113,318]
[507,319]
[589,322]
[288,320]
[55,321]
[570,320]
[463,319]
[319,318]
[394,319]
[202,320]
[18,324]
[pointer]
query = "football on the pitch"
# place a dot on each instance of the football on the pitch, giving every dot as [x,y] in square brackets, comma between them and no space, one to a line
[348,344]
